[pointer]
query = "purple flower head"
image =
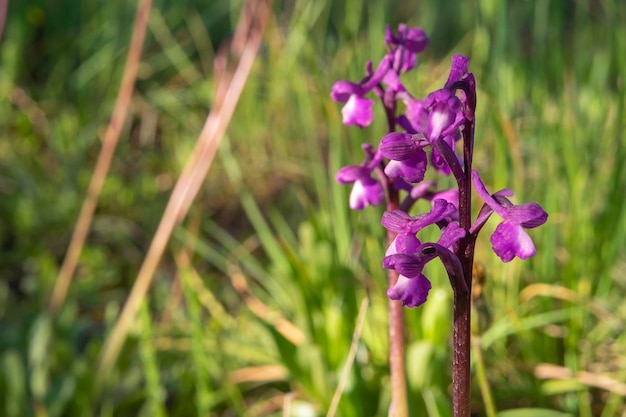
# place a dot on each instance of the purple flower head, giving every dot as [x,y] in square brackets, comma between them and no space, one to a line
[366,190]
[442,112]
[438,116]
[412,286]
[509,239]
[358,109]
[405,46]
[411,291]
[401,223]
[408,256]
[452,197]
[445,114]
[406,154]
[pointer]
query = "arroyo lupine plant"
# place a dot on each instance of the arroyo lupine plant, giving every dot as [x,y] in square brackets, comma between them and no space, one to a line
[432,135]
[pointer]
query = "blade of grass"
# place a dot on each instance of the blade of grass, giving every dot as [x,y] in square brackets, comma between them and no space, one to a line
[198,353]
[481,376]
[154,390]
[172,49]
[269,241]
[345,374]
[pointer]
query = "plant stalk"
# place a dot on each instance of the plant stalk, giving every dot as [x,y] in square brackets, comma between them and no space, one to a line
[399,406]
[399,400]
[461,377]
[461,361]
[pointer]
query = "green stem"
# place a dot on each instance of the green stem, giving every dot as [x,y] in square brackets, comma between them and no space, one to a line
[481,377]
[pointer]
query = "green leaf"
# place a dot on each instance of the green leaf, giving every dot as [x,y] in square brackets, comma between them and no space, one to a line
[532,412]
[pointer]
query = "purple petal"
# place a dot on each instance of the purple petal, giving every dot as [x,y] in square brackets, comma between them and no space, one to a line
[412,292]
[529,215]
[342,90]
[485,196]
[403,244]
[417,114]
[358,111]
[416,40]
[412,38]
[510,240]
[505,192]
[403,122]
[445,116]
[393,169]
[450,235]
[351,173]
[393,81]
[395,221]
[441,209]
[404,60]
[458,69]
[379,75]
[407,265]
[451,196]
[365,192]
[414,168]
[390,38]
[398,146]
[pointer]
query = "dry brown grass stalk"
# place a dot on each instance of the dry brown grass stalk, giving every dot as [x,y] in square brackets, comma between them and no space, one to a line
[103,163]
[4,7]
[252,23]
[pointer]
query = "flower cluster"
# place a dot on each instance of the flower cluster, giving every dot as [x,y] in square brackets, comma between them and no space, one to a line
[426,132]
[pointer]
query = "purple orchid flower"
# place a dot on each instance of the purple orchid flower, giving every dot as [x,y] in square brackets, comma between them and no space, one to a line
[412,286]
[403,49]
[509,238]
[405,46]
[366,190]
[406,155]
[413,290]
[358,110]
[441,114]
[407,226]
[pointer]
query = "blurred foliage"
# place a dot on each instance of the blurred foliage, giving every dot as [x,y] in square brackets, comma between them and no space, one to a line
[255,305]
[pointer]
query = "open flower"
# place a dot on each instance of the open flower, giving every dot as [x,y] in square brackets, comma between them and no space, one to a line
[407,158]
[510,238]
[442,114]
[366,190]
[408,255]
[358,109]
[405,46]
[401,57]
[412,286]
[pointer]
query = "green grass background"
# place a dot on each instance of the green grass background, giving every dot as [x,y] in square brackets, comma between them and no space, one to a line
[550,125]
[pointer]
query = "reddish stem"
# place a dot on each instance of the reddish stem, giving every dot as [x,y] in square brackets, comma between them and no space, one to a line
[461,361]
[461,376]
[399,400]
